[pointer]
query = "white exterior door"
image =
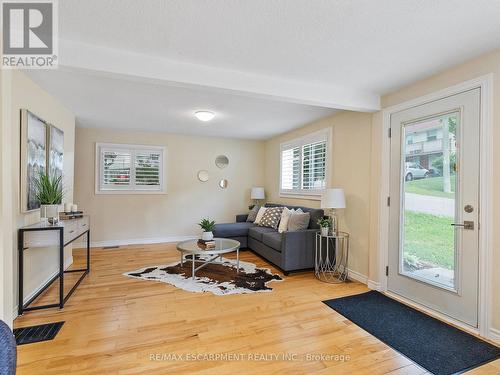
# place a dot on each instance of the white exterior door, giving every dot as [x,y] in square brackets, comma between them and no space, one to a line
[434,210]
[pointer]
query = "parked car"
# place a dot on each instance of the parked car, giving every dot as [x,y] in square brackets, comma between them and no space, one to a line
[415,171]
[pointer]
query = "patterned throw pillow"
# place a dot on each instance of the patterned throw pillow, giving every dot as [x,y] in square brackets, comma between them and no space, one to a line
[261,212]
[252,215]
[271,217]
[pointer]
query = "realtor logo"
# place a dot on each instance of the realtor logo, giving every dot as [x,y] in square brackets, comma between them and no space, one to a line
[29,34]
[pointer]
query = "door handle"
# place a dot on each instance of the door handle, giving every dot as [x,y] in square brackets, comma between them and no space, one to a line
[468,225]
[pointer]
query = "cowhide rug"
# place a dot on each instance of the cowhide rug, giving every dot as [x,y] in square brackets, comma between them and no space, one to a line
[219,279]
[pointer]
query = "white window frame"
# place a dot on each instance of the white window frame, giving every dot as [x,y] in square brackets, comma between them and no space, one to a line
[318,136]
[132,149]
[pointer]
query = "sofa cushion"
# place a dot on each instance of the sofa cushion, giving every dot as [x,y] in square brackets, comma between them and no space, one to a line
[257,232]
[273,240]
[298,221]
[271,217]
[316,213]
[232,229]
[252,215]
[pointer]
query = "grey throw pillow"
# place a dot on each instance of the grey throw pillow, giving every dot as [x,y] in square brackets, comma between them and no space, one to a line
[271,217]
[298,221]
[253,214]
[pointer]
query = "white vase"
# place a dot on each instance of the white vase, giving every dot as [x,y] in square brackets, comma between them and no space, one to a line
[324,231]
[207,236]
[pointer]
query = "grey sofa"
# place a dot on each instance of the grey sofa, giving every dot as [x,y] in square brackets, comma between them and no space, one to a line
[290,251]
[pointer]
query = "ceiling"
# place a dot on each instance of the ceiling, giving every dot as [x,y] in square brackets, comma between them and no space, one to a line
[265,66]
[117,103]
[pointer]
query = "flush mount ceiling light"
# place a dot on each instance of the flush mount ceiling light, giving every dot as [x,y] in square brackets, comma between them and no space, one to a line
[204,115]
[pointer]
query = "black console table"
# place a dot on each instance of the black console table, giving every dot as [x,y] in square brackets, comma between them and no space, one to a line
[46,235]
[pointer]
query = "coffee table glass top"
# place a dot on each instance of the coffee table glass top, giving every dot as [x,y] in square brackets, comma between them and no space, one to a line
[222,245]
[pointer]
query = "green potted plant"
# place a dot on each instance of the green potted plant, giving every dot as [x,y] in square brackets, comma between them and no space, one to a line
[49,192]
[325,225]
[208,226]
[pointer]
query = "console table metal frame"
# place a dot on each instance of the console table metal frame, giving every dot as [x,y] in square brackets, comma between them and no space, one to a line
[60,275]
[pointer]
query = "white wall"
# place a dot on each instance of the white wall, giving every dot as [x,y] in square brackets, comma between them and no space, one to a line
[19,92]
[139,218]
[349,168]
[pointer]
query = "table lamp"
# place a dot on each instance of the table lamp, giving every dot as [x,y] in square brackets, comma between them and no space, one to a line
[257,194]
[332,199]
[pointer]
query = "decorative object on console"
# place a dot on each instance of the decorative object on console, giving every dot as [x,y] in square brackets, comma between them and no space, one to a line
[325,223]
[203,175]
[271,217]
[222,278]
[257,194]
[332,199]
[208,226]
[70,215]
[49,193]
[221,161]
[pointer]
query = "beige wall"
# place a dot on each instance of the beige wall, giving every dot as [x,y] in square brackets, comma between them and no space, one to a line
[23,93]
[171,216]
[489,63]
[349,168]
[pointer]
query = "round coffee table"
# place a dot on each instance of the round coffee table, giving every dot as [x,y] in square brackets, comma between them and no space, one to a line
[222,246]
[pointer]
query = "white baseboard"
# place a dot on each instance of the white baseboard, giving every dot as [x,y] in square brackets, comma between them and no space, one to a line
[134,241]
[374,285]
[353,275]
[67,263]
[494,335]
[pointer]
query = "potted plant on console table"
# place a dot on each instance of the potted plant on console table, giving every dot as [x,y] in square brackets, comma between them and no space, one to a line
[49,192]
[208,226]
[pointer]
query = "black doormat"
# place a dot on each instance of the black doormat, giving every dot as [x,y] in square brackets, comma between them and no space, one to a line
[44,332]
[434,345]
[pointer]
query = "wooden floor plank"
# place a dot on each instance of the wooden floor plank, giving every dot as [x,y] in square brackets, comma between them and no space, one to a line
[119,325]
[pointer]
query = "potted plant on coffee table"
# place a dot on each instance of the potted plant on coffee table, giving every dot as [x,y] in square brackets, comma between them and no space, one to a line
[49,192]
[208,226]
[325,225]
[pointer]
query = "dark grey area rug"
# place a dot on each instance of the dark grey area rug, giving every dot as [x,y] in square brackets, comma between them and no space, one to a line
[438,347]
[43,332]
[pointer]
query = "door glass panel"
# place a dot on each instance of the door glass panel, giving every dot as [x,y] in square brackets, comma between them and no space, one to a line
[429,181]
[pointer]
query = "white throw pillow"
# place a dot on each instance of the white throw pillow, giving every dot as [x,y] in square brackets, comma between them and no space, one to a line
[261,212]
[285,215]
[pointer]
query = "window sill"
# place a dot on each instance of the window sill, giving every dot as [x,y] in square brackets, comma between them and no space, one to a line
[310,197]
[128,192]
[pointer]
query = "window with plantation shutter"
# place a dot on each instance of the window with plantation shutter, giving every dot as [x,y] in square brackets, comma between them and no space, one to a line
[304,165]
[129,168]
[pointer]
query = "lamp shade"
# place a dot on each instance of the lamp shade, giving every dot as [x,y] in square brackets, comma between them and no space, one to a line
[257,193]
[333,198]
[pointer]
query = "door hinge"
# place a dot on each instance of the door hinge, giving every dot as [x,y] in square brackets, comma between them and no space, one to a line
[388,201]
[386,270]
[389,133]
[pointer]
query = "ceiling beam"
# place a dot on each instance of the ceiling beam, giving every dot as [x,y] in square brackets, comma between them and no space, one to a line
[76,55]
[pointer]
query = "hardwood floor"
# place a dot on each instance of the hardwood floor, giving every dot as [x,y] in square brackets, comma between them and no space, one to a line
[119,325]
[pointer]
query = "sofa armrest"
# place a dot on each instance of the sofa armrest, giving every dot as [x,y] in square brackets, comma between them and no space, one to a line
[298,249]
[241,218]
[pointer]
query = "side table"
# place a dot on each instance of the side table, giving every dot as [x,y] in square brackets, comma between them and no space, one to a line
[332,255]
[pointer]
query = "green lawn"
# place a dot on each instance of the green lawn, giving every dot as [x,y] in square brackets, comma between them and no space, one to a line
[430,186]
[430,238]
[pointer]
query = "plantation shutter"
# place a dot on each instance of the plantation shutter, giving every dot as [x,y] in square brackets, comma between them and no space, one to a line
[130,168]
[147,169]
[290,168]
[115,169]
[304,164]
[314,165]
